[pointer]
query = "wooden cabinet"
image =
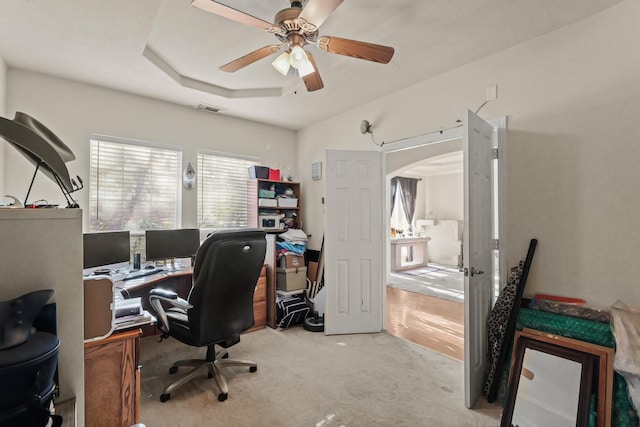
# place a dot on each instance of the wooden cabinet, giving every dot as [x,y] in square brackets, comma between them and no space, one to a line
[260,301]
[112,380]
[258,206]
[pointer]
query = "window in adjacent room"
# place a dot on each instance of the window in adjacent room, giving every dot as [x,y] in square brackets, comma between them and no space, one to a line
[399,217]
[222,190]
[134,185]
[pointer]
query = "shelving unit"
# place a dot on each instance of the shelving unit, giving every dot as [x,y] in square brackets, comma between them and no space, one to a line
[253,210]
[254,200]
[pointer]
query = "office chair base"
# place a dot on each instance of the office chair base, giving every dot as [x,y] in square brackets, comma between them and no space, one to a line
[213,371]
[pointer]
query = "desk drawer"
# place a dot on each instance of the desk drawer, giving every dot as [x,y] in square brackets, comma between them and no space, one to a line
[259,315]
[260,293]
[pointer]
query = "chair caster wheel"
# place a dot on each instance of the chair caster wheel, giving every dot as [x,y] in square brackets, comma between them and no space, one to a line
[222,397]
[173,370]
[253,368]
[226,356]
[165,397]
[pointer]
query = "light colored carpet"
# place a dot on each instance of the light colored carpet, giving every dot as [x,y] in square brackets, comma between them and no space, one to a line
[310,379]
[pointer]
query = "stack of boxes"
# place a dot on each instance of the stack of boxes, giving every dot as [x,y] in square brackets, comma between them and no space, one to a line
[291,275]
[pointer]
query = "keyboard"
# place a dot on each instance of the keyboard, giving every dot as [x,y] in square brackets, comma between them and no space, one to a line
[142,273]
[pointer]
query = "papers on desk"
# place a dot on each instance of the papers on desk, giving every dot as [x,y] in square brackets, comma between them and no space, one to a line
[125,322]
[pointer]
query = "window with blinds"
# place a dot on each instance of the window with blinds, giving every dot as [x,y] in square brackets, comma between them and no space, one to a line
[222,190]
[134,185]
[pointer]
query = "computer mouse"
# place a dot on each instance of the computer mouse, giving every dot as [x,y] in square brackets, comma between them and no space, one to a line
[150,267]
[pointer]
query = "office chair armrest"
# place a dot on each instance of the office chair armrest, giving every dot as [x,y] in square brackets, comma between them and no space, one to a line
[163,293]
[156,296]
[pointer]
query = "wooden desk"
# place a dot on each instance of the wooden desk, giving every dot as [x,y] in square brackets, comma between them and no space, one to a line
[111,365]
[112,380]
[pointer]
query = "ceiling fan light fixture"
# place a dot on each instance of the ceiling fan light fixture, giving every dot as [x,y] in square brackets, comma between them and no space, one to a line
[282,63]
[297,57]
[305,68]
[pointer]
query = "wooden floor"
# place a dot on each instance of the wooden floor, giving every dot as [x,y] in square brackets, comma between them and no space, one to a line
[431,322]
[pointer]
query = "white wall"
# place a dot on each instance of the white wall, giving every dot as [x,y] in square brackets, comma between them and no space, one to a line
[444,196]
[74,110]
[573,100]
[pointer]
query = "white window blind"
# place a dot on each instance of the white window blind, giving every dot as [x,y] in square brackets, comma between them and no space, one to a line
[134,185]
[222,190]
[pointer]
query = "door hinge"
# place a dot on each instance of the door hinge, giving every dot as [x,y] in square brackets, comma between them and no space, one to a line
[496,244]
[494,153]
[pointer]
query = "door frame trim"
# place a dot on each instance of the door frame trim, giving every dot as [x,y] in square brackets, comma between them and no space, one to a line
[500,134]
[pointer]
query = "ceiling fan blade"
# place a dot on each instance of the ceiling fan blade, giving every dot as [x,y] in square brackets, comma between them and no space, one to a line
[313,81]
[317,11]
[250,58]
[231,13]
[356,49]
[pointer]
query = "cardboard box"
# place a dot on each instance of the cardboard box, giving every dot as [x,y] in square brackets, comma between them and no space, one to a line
[291,261]
[291,279]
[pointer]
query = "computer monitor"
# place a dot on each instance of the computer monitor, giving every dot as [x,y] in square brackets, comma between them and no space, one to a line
[171,244]
[109,250]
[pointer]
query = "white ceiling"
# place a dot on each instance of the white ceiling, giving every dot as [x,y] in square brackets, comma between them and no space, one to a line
[169,50]
[442,164]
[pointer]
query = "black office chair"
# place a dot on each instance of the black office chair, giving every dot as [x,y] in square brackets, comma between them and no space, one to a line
[28,360]
[219,306]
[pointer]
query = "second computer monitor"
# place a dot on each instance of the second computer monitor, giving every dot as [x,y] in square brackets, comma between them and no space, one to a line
[108,249]
[171,244]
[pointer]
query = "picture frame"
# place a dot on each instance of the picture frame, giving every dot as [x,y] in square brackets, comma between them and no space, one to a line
[557,384]
[603,369]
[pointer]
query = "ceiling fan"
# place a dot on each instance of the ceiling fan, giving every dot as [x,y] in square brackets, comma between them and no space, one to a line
[296,27]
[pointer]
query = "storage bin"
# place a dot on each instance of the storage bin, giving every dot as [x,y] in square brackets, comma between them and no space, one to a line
[291,261]
[266,194]
[261,172]
[267,203]
[287,202]
[291,279]
[274,174]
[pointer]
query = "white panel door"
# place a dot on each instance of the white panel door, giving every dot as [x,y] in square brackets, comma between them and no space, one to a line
[477,250]
[353,242]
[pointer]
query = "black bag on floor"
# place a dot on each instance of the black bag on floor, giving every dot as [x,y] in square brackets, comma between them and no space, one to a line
[291,311]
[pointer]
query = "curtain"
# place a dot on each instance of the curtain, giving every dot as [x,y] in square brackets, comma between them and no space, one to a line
[394,189]
[408,192]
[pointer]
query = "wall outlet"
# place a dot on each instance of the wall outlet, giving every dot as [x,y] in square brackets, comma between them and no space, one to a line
[492,92]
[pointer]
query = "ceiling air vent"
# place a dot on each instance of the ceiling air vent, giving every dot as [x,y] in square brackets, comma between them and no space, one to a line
[208,108]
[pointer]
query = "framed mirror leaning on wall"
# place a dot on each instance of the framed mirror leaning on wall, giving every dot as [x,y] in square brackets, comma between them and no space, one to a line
[549,384]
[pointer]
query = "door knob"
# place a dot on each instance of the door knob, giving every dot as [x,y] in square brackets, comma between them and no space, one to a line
[472,271]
